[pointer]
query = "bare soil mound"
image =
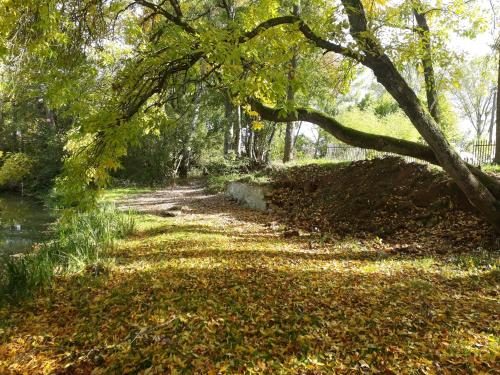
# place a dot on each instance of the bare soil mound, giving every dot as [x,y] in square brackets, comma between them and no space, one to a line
[408,205]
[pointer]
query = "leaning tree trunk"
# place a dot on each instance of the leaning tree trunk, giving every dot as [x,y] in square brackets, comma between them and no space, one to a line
[472,183]
[387,74]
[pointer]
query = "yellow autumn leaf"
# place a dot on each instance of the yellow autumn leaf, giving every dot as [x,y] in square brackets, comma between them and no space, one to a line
[257,125]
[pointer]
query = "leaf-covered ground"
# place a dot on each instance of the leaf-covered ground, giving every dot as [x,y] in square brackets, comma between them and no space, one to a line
[220,290]
[414,207]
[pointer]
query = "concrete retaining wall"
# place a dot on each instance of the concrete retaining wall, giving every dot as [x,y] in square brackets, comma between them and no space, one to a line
[253,196]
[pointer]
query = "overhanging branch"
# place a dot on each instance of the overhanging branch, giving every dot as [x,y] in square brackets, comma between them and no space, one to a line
[361,139]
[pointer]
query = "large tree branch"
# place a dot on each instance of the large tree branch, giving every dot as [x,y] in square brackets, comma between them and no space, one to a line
[348,135]
[361,139]
[305,30]
[176,19]
[424,33]
[266,25]
[325,44]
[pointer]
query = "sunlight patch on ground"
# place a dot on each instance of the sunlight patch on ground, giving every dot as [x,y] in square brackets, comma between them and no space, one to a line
[226,293]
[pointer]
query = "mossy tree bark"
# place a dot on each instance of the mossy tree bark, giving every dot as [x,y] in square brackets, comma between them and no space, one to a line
[361,139]
[387,74]
[427,63]
[371,55]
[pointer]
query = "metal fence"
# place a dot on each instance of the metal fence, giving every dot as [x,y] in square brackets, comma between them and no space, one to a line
[481,153]
[484,152]
[350,153]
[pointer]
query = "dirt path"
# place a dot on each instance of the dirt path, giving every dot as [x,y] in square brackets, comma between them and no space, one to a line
[191,196]
[196,204]
[221,290]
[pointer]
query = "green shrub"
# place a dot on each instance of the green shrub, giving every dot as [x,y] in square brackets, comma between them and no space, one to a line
[21,275]
[226,167]
[79,240]
[217,184]
[15,167]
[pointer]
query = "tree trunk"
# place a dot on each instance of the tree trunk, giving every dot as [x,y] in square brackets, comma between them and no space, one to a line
[361,139]
[387,74]
[290,126]
[237,133]
[251,143]
[479,129]
[269,145]
[185,162]
[427,64]
[228,131]
[492,119]
[296,136]
[316,145]
[288,151]
[497,147]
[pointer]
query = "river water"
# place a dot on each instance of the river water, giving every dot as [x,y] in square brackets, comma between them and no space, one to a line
[23,221]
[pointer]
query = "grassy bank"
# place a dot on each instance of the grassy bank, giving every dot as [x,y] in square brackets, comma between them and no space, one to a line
[78,241]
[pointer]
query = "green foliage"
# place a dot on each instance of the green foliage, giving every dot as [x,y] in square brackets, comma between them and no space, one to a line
[79,240]
[132,82]
[15,168]
[385,106]
[394,124]
[218,183]
[23,274]
[225,166]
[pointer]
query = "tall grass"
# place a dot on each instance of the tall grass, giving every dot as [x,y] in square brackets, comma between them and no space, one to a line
[79,240]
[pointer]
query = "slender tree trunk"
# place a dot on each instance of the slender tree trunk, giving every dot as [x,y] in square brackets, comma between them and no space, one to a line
[427,64]
[259,146]
[185,162]
[497,147]
[251,143]
[316,147]
[296,136]
[492,118]
[183,168]
[288,151]
[228,130]
[479,129]
[269,144]
[237,133]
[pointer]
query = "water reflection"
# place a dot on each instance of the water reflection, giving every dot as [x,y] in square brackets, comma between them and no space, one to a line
[23,221]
